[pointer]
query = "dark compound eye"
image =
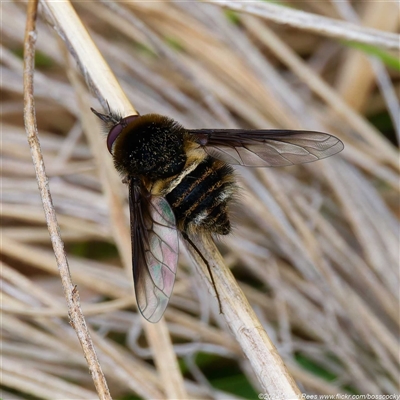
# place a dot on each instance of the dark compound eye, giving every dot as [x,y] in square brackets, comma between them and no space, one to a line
[117,129]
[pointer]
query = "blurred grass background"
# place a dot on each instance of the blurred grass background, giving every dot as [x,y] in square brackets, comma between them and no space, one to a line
[315,247]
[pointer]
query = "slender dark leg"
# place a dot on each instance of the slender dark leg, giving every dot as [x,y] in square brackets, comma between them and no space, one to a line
[186,237]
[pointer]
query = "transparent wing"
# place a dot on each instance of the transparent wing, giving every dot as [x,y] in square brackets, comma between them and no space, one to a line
[154,251]
[267,148]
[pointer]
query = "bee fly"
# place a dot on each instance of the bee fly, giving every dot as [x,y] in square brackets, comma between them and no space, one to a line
[180,180]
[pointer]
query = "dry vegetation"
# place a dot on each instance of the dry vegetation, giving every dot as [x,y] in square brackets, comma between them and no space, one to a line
[315,248]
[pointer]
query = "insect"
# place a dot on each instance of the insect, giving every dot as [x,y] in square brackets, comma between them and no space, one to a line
[180,181]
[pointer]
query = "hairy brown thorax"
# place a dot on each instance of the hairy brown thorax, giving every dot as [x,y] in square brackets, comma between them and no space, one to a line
[150,147]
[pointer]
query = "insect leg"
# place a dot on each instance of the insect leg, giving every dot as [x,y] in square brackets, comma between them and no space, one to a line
[186,237]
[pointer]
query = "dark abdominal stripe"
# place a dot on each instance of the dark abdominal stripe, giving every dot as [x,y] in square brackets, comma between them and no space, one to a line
[199,201]
[190,189]
[211,190]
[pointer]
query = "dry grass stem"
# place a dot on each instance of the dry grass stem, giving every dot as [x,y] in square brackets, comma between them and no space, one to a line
[70,291]
[317,24]
[242,321]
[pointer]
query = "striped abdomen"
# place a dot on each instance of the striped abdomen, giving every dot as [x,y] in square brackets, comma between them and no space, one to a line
[200,200]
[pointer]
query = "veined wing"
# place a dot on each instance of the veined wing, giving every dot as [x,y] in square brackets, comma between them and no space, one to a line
[154,250]
[267,148]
